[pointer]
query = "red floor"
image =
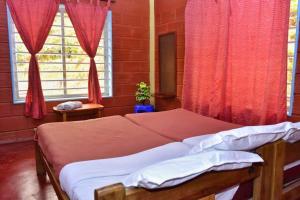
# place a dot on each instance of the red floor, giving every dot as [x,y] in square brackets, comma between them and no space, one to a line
[18,180]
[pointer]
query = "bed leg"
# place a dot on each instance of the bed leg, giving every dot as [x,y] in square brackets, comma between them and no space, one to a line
[269,185]
[40,168]
[113,192]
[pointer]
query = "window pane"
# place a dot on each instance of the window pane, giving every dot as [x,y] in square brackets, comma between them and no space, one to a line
[70,31]
[23,86]
[77,75]
[53,93]
[51,76]
[71,41]
[51,67]
[20,47]
[23,57]
[22,76]
[292,34]
[55,30]
[290,63]
[77,84]
[291,48]
[74,50]
[57,49]
[78,67]
[77,91]
[22,67]
[54,39]
[53,85]
[67,20]
[77,59]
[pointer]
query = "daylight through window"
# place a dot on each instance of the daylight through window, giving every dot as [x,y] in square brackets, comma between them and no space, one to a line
[292,56]
[63,65]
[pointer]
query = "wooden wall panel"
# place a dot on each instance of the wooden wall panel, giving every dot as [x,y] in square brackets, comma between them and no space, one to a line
[169,16]
[130,65]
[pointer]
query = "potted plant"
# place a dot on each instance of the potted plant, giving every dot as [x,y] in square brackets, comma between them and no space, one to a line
[142,96]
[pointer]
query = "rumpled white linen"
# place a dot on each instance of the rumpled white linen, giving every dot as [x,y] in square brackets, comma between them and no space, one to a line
[80,179]
[240,139]
[293,135]
[175,171]
[69,105]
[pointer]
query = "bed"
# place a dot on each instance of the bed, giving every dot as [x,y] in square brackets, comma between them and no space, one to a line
[282,159]
[59,144]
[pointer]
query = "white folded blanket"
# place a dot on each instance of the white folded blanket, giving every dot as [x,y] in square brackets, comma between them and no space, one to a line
[69,105]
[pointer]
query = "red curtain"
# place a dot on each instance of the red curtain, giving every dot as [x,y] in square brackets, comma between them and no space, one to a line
[33,20]
[88,19]
[236,60]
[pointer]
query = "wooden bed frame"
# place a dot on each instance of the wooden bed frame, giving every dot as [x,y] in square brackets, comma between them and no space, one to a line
[203,187]
[270,184]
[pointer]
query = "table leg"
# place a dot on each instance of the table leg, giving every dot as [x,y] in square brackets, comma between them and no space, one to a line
[99,113]
[64,117]
[211,197]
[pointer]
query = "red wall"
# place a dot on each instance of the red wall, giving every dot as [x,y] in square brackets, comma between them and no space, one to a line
[130,65]
[169,16]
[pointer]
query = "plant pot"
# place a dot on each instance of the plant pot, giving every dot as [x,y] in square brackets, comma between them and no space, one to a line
[142,108]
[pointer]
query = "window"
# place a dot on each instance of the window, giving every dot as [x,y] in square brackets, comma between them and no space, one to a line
[63,65]
[292,53]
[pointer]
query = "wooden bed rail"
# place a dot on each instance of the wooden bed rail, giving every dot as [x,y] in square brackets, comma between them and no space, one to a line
[270,184]
[202,187]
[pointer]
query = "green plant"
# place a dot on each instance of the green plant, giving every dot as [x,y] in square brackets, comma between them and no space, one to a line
[142,94]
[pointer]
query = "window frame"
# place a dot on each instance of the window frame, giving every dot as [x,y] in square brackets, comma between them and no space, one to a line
[108,65]
[294,70]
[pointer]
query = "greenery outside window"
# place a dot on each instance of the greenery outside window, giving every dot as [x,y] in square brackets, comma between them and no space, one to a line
[292,52]
[63,65]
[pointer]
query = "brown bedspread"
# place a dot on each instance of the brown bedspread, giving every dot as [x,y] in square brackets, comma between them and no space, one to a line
[67,142]
[180,124]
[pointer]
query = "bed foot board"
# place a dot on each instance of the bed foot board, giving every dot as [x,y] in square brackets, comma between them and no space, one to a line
[40,167]
[292,192]
[113,192]
[270,183]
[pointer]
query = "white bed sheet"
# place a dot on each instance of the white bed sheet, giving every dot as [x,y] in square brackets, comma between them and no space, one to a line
[80,179]
[80,184]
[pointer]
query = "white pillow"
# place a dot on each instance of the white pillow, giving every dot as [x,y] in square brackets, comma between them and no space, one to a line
[241,139]
[293,135]
[175,171]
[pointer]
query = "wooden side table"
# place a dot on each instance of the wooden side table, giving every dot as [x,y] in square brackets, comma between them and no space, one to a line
[85,109]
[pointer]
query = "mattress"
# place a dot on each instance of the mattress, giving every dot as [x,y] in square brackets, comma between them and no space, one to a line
[67,142]
[180,124]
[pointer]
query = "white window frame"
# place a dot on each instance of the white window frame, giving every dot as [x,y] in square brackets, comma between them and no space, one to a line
[108,69]
[290,110]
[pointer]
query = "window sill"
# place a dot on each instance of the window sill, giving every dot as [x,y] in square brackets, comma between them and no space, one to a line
[62,99]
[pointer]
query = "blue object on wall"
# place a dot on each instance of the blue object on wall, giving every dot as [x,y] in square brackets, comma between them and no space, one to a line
[139,108]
